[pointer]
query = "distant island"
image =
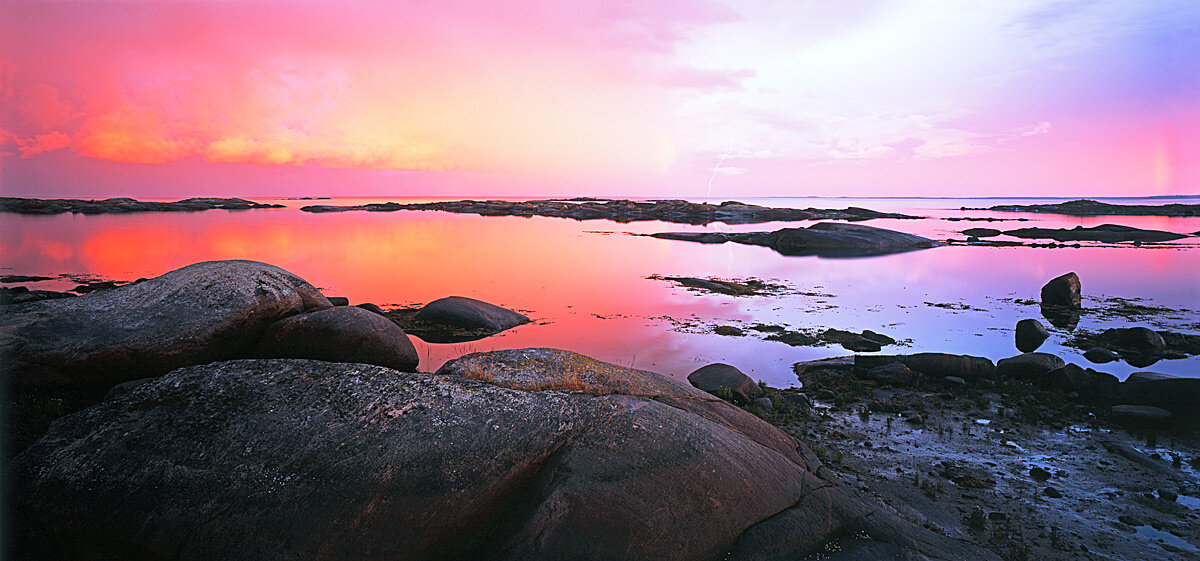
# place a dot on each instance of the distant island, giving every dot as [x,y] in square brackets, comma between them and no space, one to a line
[623,210]
[122,205]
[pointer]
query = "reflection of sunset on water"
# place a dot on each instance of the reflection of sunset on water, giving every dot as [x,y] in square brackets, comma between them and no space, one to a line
[585,285]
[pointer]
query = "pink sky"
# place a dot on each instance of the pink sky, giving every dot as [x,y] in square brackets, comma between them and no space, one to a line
[663,98]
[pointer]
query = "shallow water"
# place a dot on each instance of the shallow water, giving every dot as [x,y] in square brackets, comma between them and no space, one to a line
[585,283]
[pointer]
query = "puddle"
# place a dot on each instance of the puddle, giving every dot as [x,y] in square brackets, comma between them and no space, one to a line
[1159,536]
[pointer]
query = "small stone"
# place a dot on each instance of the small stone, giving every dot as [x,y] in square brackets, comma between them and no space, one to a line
[1168,496]
[997,516]
[1100,355]
[799,400]
[1052,493]
[338,300]
[826,394]
[371,308]
[763,402]
[955,382]
[1038,474]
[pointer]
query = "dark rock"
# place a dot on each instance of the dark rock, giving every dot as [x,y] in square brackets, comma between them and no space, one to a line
[1177,395]
[826,394]
[723,377]
[1132,338]
[833,239]
[825,239]
[121,205]
[371,308]
[763,403]
[936,365]
[1062,291]
[201,313]
[1167,495]
[340,334]
[877,337]
[26,296]
[698,237]
[94,286]
[895,373]
[1108,233]
[838,364]
[1052,493]
[1030,335]
[728,330]
[954,382]
[1100,355]
[470,313]
[1027,366]
[981,232]
[798,400]
[619,210]
[8,279]
[1038,474]
[1089,385]
[1141,415]
[1086,207]
[339,300]
[794,338]
[861,345]
[294,459]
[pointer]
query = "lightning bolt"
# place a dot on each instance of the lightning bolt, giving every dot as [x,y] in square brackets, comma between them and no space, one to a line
[708,193]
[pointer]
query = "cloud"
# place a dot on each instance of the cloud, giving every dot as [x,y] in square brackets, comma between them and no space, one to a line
[41,143]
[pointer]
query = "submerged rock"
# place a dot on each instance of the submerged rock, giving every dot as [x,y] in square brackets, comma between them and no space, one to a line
[825,239]
[296,459]
[1110,233]
[470,313]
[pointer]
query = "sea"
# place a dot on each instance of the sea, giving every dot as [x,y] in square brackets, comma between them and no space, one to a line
[593,286]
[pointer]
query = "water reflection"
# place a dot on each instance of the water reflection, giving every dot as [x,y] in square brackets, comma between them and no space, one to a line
[585,283]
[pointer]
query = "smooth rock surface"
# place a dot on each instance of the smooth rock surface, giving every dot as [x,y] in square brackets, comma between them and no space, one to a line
[340,334]
[204,312]
[1027,365]
[470,313]
[1030,334]
[717,377]
[296,459]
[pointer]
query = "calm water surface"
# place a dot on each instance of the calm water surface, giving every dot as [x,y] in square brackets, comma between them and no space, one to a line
[586,285]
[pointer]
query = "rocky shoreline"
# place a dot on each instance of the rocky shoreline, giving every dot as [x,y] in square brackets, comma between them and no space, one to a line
[231,410]
[622,210]
[123,205]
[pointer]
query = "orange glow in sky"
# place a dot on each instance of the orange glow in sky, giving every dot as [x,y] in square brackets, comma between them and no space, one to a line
[686,98]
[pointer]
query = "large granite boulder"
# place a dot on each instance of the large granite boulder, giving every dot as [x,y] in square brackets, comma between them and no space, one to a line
[718,377]
[341,334]
[298,459]
[470,313]
[201,313]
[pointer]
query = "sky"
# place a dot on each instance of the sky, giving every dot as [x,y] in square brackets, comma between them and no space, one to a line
[600,97]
